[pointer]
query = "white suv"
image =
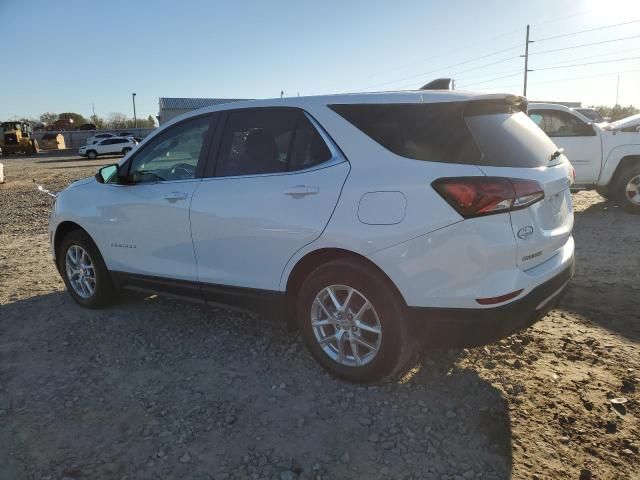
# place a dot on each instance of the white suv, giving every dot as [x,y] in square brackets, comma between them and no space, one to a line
[108,146]
[369,221]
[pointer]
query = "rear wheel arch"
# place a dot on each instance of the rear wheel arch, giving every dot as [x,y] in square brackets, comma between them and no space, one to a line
[316,258]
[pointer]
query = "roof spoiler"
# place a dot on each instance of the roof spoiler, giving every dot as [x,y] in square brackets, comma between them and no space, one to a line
[439,84]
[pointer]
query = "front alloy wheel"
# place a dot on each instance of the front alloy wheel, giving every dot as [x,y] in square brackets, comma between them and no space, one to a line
[80,272]
[629,189]
[633,190]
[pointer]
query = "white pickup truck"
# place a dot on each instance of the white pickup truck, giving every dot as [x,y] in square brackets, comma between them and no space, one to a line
[605,156]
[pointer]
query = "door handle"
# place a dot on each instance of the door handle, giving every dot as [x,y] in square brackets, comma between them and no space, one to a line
[302,190]
[175,196]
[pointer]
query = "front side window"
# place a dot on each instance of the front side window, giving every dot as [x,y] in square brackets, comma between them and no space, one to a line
[173,155]
[269,141]
[556,123]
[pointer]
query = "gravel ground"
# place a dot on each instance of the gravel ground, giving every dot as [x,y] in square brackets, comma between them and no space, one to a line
[158,389]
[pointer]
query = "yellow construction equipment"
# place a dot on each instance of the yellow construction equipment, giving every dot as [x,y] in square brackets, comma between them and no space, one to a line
[17,137]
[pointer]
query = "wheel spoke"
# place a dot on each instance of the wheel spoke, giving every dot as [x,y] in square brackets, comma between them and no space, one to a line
[324,309]
[361,341]
[321,323]
[354,351]
[328,339]
[363,309]
[334,299]
[345,305]
[367,328]
[341,345]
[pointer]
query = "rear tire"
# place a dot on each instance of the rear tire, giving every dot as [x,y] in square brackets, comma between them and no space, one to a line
[92,154]
[628,189]
[92,287]
[335,336]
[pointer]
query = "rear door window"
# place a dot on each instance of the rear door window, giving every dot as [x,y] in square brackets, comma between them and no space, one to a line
[269,141]
[557,123]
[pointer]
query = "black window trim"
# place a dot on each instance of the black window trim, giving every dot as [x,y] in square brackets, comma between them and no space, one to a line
[214,123]
[212,161]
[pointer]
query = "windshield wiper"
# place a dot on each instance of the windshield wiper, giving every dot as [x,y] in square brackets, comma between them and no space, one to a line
[556,154]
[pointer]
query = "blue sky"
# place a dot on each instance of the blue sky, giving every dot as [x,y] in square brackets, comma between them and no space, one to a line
[64,56]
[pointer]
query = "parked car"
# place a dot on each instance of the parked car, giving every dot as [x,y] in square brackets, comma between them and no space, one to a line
[100,136]
[108,146]
[372,222]
[125,134]
[605,157]
[592,114]
[87,126]
[627,125]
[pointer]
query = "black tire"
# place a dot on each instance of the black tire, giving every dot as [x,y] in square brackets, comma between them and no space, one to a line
[92,154]
[104,292]
[630,175]
[126,150]
[396,345]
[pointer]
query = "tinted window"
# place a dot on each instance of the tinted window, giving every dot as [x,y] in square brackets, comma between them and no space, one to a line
[556,123]
[269,141]
[478,133]
[173,155]
[308,148]
[106,142]
[436,132]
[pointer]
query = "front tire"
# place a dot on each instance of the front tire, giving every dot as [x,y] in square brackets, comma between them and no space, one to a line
[628,189]
[92,154]
[83,271]
[353,322]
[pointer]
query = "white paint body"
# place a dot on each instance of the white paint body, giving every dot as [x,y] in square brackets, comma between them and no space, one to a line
[595,157]
[251,231]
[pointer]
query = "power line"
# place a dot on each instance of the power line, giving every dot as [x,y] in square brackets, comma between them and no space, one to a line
[585,45]
[553,37]
[491,80]
[569,79]
[588,63]
[448,66]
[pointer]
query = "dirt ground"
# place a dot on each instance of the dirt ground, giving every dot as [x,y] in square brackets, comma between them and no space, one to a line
[158,389]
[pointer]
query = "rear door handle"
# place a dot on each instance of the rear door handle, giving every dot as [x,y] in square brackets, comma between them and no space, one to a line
[302,190]
[175,196]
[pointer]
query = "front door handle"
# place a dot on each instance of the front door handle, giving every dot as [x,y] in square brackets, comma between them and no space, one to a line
[300,191]
[175,196]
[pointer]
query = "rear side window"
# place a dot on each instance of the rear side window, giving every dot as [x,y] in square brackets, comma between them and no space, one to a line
[475,133]
[269,141]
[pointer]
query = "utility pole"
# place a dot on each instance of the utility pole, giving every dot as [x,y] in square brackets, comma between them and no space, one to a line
[93,109]
[135,119]
[617,89]
[526,62]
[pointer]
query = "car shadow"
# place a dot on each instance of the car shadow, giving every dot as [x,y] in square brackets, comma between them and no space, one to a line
[606,287]
[136,387]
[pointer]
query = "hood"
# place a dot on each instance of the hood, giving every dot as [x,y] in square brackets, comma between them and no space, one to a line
[78,183]
[632,121]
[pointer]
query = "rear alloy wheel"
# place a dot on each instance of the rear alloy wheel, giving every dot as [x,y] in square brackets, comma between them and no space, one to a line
[629,189]
[353,322]
[92,155]
[84,272]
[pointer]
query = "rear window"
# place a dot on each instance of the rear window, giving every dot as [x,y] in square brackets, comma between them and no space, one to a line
[475,133]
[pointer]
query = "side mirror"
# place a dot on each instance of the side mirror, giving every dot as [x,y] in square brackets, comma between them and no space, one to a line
[108,174]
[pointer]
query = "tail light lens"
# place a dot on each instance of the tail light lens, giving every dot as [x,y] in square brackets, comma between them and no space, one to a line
[477,196]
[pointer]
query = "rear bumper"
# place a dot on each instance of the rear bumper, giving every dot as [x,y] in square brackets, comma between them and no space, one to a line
[469,327]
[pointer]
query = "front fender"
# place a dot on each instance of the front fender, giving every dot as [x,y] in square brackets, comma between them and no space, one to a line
[613,160]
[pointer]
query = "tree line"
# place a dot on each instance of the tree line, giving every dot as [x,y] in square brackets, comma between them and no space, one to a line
[114,121]
[617,112]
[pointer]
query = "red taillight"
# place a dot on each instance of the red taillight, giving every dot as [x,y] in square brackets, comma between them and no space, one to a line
[476,196]
[500,299]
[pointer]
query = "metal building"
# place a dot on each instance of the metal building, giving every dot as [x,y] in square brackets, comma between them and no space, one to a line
[172,107]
